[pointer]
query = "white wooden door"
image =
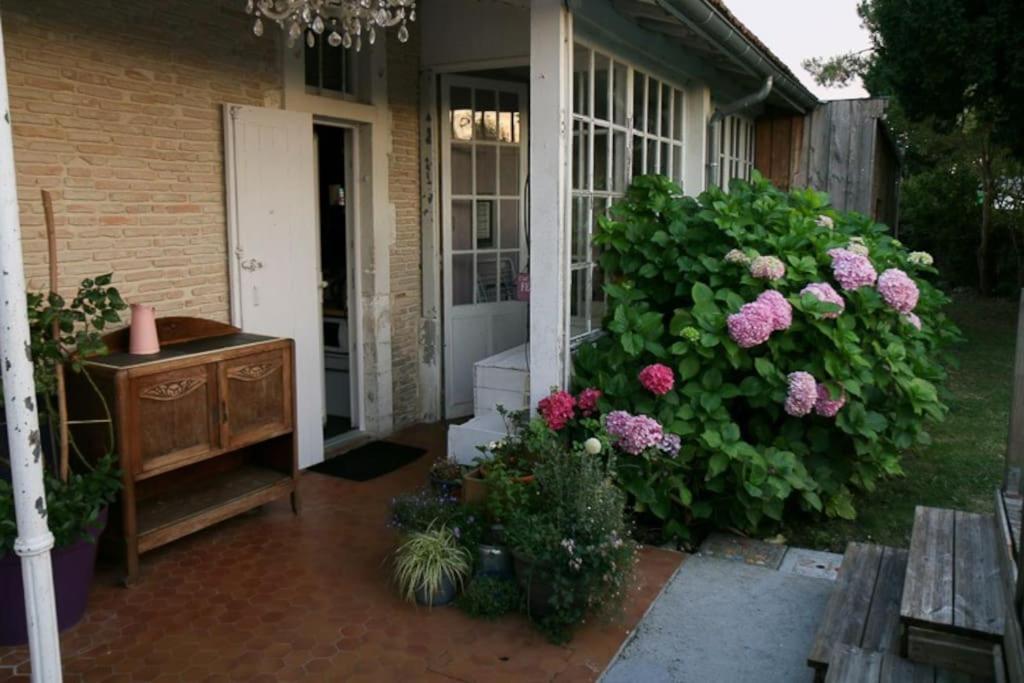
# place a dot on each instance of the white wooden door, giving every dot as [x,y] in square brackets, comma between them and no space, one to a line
[484,162]
[274,263]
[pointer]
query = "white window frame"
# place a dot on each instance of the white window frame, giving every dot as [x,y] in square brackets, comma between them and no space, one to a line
[584,196]
[735,136]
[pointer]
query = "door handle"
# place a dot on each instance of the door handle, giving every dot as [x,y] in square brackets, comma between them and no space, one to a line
[252,265]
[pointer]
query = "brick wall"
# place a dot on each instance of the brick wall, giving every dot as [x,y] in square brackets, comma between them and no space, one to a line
[404,184]
[118,113]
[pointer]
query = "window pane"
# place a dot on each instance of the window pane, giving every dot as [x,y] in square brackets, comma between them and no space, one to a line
[486,169]
[677,163]
[486,115]
[486,230]
[652,156]
[578,303]
[462,279]
[597,305]
[580,228]
[462,169]
[508,117]
[618,161]
[580,154]
[581,81]
[509,171]
[462,113]
[677,129]
[619,93]
[663,160]
[602,68]
[508,268]
[334,65]
[462,224]
[600,158]
[486,278]
[601,205]
[639,97]
[652,106]
[509,221]
[312,64]
[638,156]
[666,111]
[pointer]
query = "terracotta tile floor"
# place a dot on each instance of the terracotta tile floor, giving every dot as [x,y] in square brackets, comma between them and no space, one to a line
[274,597]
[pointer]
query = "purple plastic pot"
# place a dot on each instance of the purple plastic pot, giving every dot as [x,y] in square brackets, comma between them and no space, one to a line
[73,567]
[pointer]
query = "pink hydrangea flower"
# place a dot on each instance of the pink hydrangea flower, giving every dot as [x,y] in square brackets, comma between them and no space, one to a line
[767,268]
[670,444]
[633,434]
[641,433]
[752,325]
[557,409]
[898,290]
[587,401]
[802,395]
[615,422]
[826,406]
[823,291]
[912,319]
[852,270]
[781,310]
[657,379]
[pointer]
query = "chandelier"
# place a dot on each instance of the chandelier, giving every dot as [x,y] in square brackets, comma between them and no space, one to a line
[344,21]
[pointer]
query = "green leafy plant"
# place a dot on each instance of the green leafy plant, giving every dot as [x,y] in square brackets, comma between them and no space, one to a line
[73,506]
[572,534]
[427,560]
[676,269]
[488,597]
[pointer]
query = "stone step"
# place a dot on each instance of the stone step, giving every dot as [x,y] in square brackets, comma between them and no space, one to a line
[463,439]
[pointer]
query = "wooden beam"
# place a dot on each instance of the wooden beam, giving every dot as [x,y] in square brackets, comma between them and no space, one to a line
[1015,443]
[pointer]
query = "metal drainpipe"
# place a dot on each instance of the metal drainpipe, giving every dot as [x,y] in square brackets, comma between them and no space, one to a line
[711,170]
[34,538]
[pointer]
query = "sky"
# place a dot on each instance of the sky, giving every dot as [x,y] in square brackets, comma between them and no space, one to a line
[797,29]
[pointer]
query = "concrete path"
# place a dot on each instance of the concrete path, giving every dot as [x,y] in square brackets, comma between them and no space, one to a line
[723,620]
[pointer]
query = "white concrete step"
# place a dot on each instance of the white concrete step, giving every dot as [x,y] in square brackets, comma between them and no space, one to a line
[481,430]
[502,380]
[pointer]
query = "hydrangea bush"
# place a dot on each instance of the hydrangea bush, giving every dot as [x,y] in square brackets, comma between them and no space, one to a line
[797,351]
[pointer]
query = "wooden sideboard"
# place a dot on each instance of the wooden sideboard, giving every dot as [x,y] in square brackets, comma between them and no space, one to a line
[204,429]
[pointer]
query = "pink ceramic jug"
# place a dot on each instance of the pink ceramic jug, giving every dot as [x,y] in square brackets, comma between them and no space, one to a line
[143,339]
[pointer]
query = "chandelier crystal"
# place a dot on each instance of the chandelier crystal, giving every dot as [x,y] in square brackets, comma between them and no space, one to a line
[344,22]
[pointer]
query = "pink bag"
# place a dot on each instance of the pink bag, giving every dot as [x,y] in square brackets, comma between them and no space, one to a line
[523,287]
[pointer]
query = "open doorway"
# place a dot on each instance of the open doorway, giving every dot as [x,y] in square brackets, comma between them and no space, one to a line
[334,172]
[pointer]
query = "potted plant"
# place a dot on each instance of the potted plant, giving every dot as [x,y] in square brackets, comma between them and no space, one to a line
[446,476]
[77,492]
[431,565]
[570,541]
[511,458]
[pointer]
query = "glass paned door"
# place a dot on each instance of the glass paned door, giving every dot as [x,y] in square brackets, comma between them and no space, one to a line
[483,155]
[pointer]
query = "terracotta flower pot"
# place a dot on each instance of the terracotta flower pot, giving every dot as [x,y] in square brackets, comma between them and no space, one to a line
[474,486]
[73,567]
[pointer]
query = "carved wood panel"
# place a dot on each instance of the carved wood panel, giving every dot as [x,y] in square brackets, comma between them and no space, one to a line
[174,418]
[256,397]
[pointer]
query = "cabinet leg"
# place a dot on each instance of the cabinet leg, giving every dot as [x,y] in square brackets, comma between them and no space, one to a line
[131,567]
[296,503]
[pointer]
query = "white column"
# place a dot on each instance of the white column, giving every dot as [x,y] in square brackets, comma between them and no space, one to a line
[550,125]
[34,538]
[697,111]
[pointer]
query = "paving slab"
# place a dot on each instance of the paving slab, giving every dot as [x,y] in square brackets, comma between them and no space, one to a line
[740,549]
[815,564]
[726,621]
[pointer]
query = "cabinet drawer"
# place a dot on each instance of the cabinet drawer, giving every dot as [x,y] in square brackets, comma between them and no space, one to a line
[173,418]
[256,397]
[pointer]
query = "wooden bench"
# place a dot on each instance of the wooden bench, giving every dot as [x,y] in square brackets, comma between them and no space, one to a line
[863,610]
[953,604]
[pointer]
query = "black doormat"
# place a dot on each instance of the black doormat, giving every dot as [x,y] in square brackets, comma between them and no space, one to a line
[368,462]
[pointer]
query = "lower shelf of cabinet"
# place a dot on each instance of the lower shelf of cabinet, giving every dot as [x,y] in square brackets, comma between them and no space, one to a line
[170,516]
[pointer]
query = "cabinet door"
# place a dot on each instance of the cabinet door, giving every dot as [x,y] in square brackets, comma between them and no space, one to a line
[256,397]
[174,419]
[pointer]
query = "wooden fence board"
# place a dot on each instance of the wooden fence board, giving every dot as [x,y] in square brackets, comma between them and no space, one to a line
[1015,443]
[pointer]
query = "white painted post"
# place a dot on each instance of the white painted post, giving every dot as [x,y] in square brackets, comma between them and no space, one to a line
[550,126]
[696,112]
[34,538]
